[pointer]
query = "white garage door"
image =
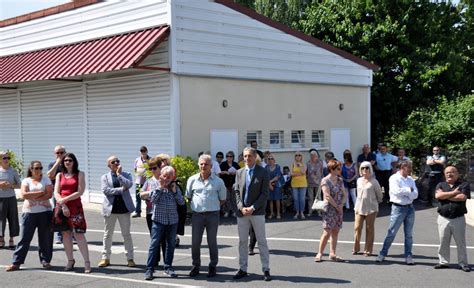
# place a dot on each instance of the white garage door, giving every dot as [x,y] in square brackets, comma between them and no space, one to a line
[50,117]
[124,114]
[9,122]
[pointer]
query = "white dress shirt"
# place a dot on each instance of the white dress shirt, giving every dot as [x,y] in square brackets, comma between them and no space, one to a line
[401,189]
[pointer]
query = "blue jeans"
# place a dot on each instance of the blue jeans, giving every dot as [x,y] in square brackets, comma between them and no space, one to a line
[299,196]
[405,215]
[158,232]
[30,223]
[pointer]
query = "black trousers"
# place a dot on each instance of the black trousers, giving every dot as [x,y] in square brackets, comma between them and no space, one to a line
[383,176]
[9,211]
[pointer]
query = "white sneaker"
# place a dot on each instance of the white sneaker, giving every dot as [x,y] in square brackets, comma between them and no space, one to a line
[380,258]
[409,260]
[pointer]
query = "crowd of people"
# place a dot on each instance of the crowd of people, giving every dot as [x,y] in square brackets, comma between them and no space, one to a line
[250,188]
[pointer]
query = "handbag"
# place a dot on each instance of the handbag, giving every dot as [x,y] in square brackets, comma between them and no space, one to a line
[319,205]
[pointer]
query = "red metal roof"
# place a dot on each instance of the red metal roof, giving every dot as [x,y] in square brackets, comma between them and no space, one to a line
[111,53]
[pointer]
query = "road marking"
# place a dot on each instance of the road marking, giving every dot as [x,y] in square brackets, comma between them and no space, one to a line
[115,278]
[299,240]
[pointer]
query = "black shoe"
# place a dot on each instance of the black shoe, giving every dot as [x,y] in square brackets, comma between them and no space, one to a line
[465,268]
[251,252]
[148,275]
[266,276]
[441,266]
[194,272]
[212,272]
[240,274]
[177,242]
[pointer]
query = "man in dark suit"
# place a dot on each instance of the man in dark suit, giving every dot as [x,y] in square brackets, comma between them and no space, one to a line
[251,194]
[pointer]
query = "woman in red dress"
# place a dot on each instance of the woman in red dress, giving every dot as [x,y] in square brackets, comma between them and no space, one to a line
[70,185]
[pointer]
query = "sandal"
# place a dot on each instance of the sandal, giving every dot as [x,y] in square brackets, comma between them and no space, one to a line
[355,252]
[13,267]
[317,258]
[70,265]
[367,254]
[87,267]
[336,258]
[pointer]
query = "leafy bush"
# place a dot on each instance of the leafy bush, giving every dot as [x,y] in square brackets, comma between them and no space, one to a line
[450,125]
[185,167]
[15,162]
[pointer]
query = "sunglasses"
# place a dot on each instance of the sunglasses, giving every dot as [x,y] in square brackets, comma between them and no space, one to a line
[364,168]
[68,160]
[298,155]
[153,168]
[229,156]
[60,153]
[115,162]
[143,151]
[37,168]
[271,158]
[6,158]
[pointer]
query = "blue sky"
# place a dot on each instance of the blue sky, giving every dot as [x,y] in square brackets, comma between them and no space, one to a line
[12,8]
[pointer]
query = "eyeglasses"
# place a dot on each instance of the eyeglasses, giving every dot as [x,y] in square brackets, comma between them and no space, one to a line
[68,160]
[6,158]
[37,168]
[60,153]
[115,162]
[153,168]
[364,168]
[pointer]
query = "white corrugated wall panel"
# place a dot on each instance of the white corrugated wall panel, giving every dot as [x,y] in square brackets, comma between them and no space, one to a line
[9,122]
[89,22]
[124,114]
[213,40]
[50,117]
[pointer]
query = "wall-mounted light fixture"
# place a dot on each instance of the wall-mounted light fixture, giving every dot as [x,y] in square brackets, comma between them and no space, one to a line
[224,103]
[341,107]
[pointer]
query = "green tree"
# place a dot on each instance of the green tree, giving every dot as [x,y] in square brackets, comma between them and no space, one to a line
[424,48]
[449,125]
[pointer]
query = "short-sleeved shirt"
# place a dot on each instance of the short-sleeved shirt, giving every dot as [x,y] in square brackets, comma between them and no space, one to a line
[34,206]
[140,170]
[361,158]
[436,168]
[59,170]
[12,177]
[453,209]
[205,195]
[384,161]
[229,180]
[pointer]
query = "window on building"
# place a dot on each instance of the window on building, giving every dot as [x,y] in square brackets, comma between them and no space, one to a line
[276,139]
[297,138]
[254,136]
[317,138]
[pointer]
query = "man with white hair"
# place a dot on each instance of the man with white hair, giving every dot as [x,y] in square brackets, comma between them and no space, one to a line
[207,193]
[165,222]
[118,205]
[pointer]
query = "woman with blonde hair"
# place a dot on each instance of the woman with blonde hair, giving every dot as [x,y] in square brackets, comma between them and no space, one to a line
[369,195]
[299,183]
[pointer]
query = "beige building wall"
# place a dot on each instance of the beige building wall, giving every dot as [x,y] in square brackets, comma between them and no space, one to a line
[265,106]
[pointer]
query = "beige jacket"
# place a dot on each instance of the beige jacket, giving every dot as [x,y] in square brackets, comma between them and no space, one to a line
[369,195]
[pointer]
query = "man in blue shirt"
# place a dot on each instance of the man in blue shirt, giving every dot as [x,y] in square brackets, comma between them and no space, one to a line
[207,193]
[384,164]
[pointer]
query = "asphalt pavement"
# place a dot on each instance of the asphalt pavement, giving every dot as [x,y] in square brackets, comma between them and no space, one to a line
[292,246]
